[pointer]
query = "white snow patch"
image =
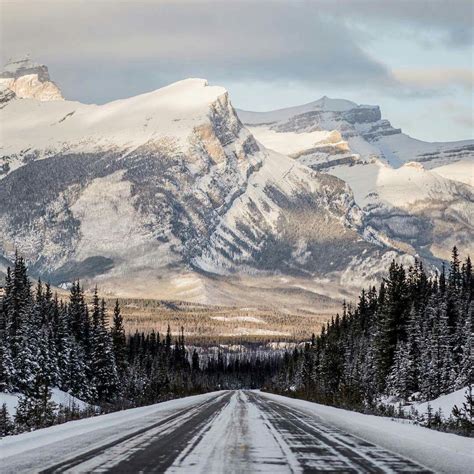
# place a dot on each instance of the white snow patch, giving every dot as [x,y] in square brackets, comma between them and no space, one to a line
[445,403]
[462,171]
[250,319]
[57,396]
[288,143]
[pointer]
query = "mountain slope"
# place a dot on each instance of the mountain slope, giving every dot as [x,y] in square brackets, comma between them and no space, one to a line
[143,192]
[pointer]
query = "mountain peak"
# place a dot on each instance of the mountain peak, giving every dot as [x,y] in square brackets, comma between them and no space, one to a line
[334,105]
[29,80]
[22,66]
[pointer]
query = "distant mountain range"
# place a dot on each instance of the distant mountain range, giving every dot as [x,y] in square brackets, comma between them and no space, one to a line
[412,191]
[175,194]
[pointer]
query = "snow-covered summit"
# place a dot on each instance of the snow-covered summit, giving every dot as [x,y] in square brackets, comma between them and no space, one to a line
[29,80]
[412,191]
[23,66]
[322,105]
[171,112]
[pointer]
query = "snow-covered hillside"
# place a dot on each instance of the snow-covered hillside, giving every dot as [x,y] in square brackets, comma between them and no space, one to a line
[59,397]
[442,405]
[413,205]
[165,182]
[462,171]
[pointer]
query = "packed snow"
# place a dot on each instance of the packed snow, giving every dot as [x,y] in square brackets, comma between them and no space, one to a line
[92,431]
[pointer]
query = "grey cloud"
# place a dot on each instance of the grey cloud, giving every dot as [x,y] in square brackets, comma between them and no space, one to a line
[155,43]
[448,21]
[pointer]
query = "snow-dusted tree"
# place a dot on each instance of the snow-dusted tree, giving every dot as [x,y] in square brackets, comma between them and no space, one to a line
[119,340]
[466,370]
[6,424]
[103,368]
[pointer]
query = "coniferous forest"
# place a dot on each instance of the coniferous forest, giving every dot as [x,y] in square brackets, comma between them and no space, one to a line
[409,339]
[47,343]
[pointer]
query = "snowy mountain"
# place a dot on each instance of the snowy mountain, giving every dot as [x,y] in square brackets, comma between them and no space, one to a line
[158,194]
[360,126]
[415,192]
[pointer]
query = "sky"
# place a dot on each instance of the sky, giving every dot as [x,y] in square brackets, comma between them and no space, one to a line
[413,58]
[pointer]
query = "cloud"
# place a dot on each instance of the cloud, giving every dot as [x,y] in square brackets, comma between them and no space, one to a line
[436,78]
[440,22]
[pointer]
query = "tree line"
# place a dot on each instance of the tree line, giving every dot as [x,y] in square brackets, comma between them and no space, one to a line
[47,343]
[411,339]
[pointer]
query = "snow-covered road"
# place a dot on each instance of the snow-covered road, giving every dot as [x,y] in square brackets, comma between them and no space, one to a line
[235,432]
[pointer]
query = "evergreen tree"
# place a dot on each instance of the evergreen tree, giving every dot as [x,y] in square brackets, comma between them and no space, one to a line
[103,365]
[119,340]
[6,424]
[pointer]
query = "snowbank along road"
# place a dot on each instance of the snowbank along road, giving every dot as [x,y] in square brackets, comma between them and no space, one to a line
[235,432]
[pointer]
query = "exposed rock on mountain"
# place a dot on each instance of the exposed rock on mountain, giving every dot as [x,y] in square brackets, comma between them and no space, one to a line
[29,80]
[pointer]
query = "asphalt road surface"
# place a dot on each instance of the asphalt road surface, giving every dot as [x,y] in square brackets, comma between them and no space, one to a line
[238,432]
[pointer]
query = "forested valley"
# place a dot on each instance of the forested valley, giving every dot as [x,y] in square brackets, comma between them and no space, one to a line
[408,340]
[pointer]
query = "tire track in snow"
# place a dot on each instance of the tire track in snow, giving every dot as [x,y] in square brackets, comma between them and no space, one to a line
[238,440]
[162,441]
[323,448]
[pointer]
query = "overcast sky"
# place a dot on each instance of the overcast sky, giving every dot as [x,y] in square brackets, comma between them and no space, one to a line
[414,58]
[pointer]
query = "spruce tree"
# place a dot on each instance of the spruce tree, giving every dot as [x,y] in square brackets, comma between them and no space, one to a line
[103,368]
[6,425]
[119,340]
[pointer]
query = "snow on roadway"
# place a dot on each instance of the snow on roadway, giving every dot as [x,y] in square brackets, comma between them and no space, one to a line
[40,448]
[237,440]
[234,432]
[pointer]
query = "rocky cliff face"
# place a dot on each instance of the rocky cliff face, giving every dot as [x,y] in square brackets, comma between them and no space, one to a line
[29,80]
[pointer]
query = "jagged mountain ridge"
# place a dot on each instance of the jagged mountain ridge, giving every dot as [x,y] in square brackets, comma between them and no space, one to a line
[362,127]
[168,183]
